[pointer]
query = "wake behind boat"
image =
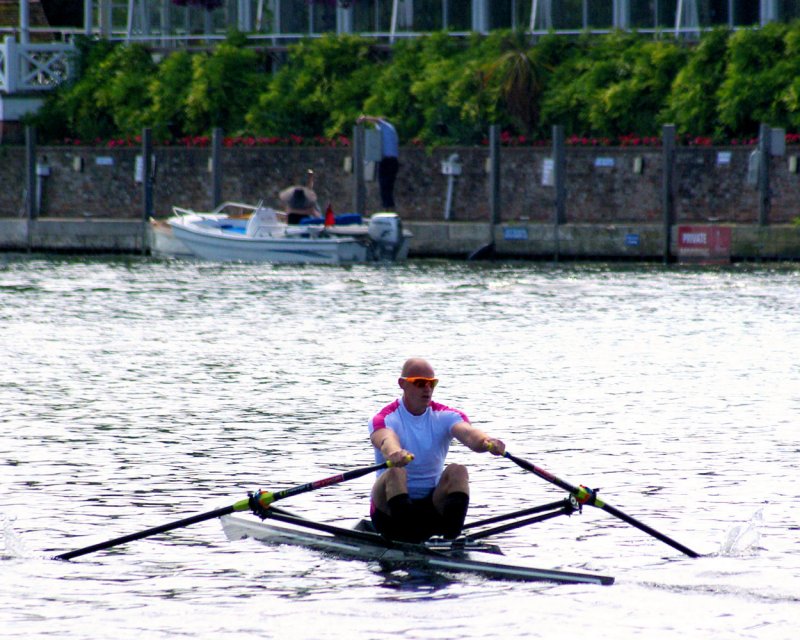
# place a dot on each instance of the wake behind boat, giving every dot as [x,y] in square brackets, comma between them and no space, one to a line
[241,232]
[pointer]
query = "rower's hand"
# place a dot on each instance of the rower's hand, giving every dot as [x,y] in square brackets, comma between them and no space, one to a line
[399,458]
[494,446]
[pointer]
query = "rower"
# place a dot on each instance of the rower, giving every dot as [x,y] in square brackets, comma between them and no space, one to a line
[418,497]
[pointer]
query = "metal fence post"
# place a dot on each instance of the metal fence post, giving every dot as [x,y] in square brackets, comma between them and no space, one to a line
[765,154]
[559,171]
[216,167]
[494,175]
[359,186]
[30,182]
[667,188]
[147,183]
[495,203]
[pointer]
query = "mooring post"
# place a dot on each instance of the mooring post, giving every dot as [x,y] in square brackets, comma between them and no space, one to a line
[359,186]
[765,154]
[147,183]
[494,176]
[559,177]
[30,182]
[668,189]
[216,167]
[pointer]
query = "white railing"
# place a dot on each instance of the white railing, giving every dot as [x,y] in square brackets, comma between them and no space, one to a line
[33,67]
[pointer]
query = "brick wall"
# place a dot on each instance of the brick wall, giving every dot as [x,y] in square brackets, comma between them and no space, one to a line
[602,185]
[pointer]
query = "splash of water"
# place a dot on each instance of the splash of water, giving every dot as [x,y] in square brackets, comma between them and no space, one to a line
[744,539]
[13,546]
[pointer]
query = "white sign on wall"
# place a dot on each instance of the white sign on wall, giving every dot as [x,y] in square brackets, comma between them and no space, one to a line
[548,173]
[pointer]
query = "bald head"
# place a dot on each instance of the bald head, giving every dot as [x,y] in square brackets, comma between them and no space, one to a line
[417,367]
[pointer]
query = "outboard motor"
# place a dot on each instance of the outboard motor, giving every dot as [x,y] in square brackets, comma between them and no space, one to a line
[386,232]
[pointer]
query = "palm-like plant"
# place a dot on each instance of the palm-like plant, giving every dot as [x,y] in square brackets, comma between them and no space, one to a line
[519,80]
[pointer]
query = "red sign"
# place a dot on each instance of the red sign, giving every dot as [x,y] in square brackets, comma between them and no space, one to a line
[704,242]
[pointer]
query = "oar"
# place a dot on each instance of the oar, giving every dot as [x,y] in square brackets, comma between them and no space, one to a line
[588,496]
[259,500]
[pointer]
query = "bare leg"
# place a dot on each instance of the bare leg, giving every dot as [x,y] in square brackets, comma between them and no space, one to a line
[392,483]
[454,479]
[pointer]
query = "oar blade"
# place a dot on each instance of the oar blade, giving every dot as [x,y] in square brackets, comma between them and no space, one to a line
[265,498]
[649,530]
[185,522]
[587,496]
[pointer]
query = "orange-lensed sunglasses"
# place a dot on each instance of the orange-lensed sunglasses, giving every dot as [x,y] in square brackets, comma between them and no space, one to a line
[421,382]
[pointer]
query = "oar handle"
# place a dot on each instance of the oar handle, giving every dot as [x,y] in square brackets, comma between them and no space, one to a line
[266,498]
[545,475]
[588,496]
[389,463]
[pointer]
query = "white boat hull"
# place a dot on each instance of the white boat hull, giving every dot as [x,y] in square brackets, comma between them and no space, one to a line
[229,248]
[221,237]
[473,558]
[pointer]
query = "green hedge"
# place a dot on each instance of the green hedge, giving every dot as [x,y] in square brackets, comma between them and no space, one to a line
[438,89]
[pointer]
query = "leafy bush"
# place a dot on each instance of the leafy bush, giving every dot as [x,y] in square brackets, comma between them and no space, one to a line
[439,89]
[122,93]
[169,92]
[789,68]
[644,76]
[224,85]
[391,95]
[319,91]
[443,89]
[753,80]
[692,104]
[104,100]
[612,86]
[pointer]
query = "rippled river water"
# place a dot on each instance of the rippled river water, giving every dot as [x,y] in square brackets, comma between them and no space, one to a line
[135,392]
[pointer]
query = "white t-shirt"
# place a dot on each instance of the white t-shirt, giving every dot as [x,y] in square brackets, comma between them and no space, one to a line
[427,436]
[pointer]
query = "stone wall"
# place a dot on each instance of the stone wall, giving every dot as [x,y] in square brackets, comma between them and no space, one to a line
[604,185]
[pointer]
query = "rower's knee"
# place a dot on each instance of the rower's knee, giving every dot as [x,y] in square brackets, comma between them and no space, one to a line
[455,478]
[396,477]
[391,483]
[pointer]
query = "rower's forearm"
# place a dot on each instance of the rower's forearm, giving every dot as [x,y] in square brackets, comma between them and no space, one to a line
[477,441]
[388,443]
[481,442]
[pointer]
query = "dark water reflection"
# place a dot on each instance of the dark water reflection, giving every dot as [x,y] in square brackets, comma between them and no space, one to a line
[138,392]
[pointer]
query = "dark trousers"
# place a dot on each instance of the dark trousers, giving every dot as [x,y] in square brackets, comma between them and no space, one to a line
[387,172]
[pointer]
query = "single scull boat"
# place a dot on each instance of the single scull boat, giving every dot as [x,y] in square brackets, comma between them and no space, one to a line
[466,554]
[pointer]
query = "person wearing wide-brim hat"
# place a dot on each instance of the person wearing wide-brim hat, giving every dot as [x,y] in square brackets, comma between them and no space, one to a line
[299,202]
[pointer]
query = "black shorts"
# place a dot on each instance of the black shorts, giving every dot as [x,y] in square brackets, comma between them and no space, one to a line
[423,522]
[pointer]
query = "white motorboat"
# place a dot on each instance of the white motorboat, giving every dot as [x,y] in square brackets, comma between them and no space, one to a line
[240,232]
